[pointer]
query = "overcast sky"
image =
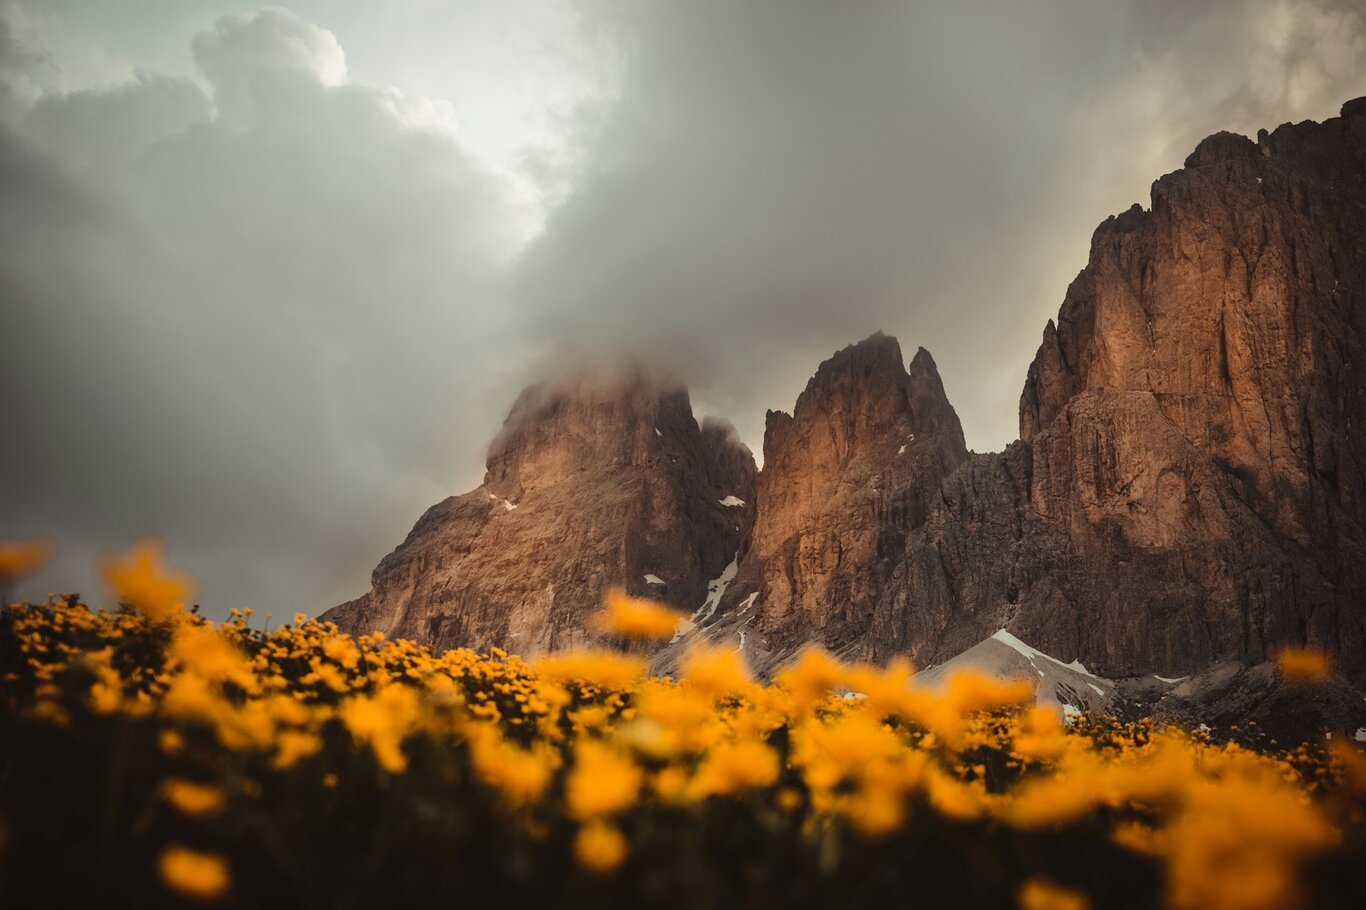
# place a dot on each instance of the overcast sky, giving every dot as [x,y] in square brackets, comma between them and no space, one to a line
[272,276]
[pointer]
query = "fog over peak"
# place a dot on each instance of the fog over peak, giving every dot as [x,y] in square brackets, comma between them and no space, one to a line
[272,277]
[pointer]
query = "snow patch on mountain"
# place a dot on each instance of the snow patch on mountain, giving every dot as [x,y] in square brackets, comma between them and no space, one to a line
[1011,641]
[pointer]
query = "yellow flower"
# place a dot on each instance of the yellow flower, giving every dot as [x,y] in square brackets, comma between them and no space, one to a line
[884,691]
[381,723]
[205,652]
[952,797]
[636,617]
[170,742]
[328,675]
[141,580]
[732,767]
[600,847]
[1229,827]
[106,693]
[1041,894]
[1041,734]
[195,875]
[969,691]
[715,671]
[1304,664]
[520,775]
[810,677]
[21,558]
[190,798]
[190,696]
[601,668]
[601,782]
[874,813]
[292,746]
[671,784]
[1239,842]
[1073,790]
[1352,762]
[1139,838]
[343,650]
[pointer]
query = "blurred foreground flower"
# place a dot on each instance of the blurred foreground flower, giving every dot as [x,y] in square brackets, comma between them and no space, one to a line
[1304,664]
[636,617]
[600,847]
[141,579]
[195,875]
[191,798]
[1041,894]
[20,558]
[581,763]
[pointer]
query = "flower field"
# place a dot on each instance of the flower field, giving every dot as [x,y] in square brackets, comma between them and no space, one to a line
[148,758]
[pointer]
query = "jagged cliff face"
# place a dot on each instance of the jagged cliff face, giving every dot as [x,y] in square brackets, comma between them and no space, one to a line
[1192,417]
[1188,485]
[602,480]
[847,477]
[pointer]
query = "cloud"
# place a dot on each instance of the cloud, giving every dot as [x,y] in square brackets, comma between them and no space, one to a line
[267,306]
[25,55]
[779,178]
[252,57]
[265,322]
[272,40]
[110,128]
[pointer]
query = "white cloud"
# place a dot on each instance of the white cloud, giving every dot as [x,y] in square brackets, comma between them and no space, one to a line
[265,43]
[252,57]
[25,55]
[789,176]
[270,328]
[266,305]
[110,127]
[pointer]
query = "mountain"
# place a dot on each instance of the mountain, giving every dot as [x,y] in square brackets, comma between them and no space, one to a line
[1253,704]
[847,478]
[1187,486]
[598,479]
[1187,490]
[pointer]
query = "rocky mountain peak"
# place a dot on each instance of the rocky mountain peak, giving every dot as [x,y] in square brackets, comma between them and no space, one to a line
[870,375]
[861,396]
[601,477]
[930,408]
[1188,486]
[847,476]
[589,415]
[1189,416]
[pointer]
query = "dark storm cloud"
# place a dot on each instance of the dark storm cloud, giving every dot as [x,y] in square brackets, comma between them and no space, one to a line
[252,321]
[271,312]
[780,178]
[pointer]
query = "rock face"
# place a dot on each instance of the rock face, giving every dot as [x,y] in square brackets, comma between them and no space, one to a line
[847,477]
[1192,418]
[601,479]
[1188,484]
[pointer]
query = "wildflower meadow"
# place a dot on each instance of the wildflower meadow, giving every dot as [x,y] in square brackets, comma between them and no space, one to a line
[149,757]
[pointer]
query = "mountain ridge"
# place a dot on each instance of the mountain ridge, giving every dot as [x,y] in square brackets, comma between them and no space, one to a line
[1187,487]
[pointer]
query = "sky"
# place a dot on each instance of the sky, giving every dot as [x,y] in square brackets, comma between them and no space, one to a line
[270,277]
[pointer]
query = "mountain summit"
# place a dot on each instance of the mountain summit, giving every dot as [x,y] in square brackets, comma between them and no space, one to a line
[1189,485]
[601,478]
